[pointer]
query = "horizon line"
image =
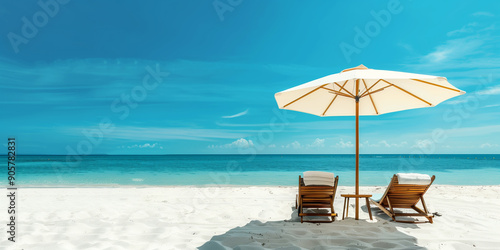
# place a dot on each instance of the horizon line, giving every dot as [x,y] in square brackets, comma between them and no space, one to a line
[241,154]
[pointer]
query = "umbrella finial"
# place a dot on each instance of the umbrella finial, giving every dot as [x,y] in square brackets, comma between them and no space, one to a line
[360,67]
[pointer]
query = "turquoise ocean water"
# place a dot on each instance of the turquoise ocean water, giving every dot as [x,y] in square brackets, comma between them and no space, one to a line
[201,170]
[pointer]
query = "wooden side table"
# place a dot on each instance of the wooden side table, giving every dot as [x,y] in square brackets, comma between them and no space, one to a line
[356,196]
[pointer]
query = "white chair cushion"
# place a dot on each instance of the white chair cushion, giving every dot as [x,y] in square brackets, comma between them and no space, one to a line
[319,178]
[377,197]
[318,174]
[413,178]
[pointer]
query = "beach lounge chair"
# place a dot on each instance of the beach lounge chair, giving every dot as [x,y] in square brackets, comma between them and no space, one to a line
[316,190]
[404,192]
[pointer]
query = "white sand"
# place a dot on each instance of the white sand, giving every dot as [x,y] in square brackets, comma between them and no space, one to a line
[240,218]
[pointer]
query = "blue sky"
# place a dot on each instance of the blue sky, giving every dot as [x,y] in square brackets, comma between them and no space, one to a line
[179,77]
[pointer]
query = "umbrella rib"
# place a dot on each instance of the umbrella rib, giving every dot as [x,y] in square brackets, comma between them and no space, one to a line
[305,95]
[329,105]
[406,91]
[337,94]
[366,91]
[375,91]
[342,94]
[371,99]
[342,87]
[437,85]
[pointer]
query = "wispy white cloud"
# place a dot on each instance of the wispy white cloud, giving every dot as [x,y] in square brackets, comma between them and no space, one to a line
[423,144]
[491,106]
[473,131]
[469,134]
[488,145]
[491,27]
[393,145]
[470,52]
[294,145]
[367,144]
[495,90]
[383,143]
[401,144]
[406,46]
[483,13]
[343,144]
[316,125]
[146,145]
[237,115]
[247,124]
[240,143]
[456,101]
[454,49]
[317,143]
[155,133]
[469,28]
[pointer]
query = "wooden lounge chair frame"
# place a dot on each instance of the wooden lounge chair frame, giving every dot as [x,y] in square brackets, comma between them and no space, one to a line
[316,196]
[404,196]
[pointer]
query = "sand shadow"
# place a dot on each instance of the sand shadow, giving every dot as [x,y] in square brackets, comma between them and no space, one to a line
[383,216]
[341,234]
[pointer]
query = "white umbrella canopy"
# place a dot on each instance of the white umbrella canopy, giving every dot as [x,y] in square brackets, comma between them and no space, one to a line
[379,91]
[362,91]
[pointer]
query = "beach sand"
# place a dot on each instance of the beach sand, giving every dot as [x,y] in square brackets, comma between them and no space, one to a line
[239,218]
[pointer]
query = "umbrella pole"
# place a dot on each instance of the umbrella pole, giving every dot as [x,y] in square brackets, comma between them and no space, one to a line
[357,149]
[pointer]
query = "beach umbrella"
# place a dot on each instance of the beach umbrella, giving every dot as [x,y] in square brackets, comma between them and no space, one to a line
[362,91]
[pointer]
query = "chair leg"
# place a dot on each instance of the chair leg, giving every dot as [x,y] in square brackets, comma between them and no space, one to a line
[425,209]
[420,211]
[347,208]
[423,204]
[368,207]
[301,211]
[343,210]
[333,210]
[382,208]
[423,213]
[392,210]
